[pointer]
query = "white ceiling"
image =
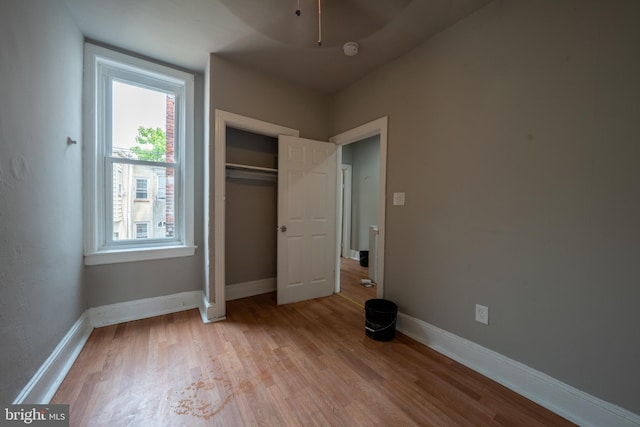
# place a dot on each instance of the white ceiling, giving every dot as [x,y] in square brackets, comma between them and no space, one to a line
[267,34]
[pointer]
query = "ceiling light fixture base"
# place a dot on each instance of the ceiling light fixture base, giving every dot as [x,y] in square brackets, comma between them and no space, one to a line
[351,48]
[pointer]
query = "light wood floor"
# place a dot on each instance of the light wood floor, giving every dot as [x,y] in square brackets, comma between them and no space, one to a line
[302,364]
[350,287]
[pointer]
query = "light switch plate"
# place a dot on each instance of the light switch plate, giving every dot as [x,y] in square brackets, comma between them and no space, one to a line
[398,199]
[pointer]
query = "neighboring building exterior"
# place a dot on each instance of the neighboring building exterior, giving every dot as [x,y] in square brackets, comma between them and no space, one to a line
[140,205]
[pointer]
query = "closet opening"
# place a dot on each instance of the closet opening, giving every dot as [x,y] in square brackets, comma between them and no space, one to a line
[251,213]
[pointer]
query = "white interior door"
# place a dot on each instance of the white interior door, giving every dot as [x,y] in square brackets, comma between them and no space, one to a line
[306,218]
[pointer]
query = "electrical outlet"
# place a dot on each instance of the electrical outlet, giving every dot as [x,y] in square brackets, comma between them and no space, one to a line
[482,314]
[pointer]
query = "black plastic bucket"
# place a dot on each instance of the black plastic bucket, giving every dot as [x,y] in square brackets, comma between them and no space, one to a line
[364,258]
[381,315]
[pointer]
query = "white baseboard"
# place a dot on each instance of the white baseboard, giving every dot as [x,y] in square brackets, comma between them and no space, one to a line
[563,399]
[45,382]
[249,289]
[143,308]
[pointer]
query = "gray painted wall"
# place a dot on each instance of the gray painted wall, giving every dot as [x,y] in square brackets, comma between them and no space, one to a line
[347,154]
[41,292]
[515,137]
[365,188]
[241,90]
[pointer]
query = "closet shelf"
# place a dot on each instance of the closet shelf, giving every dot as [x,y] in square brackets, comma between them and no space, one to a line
[252,168]
[256,173]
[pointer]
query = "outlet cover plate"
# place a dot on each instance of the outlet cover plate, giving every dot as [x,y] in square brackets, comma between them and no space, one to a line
[482,314]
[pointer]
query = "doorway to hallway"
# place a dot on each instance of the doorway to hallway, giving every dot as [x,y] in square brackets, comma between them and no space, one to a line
[368,202]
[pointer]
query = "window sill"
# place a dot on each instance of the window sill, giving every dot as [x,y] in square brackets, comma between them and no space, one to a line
[137,254]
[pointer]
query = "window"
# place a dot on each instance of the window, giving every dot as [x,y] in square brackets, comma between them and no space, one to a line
[142,189]
[139,147]
[142,230]
[162,187]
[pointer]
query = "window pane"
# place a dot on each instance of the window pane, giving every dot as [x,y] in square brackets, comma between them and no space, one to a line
[143,195]
[142,123]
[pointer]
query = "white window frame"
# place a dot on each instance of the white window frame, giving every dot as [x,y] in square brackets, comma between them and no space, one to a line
[101,67]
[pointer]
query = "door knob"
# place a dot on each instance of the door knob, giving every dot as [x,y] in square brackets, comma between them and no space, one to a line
[282,228]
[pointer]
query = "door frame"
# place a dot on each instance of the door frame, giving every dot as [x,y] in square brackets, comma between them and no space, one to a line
[216,306]
[372,128]
[345,212]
